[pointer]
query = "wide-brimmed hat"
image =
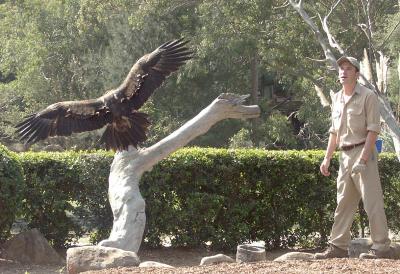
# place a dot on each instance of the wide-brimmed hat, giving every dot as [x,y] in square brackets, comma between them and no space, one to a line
[349,59]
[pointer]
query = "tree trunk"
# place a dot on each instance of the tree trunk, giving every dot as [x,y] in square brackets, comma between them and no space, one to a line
[395,138]
[254,79]
[255,123]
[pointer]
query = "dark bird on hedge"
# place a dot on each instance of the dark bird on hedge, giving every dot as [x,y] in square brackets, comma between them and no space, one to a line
[117,109]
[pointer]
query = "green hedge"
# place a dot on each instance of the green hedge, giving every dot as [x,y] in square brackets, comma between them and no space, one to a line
[66,192]
[228,197]
[11,189]
[198,196]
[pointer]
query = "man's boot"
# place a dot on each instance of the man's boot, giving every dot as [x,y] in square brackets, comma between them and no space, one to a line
[378,254]
[332,252]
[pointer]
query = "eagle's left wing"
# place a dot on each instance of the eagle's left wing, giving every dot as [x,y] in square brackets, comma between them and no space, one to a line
[150,71]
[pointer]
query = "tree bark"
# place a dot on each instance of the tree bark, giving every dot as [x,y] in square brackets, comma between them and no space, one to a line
[255,123]
[395,138]
[254,78]
[126,202]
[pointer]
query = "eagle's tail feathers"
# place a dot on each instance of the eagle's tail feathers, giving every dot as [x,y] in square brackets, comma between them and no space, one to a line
[121,139]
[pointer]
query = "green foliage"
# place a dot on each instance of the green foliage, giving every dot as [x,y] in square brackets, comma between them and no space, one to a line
[198,196]
[93,211]
[242,139]
[11,189]
[57,199]
[389,171]
[77,49]
[278,133]
[314,133]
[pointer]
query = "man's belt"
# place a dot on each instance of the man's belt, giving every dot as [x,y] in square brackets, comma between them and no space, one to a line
[349,147]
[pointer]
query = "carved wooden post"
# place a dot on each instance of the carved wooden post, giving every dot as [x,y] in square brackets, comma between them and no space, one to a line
[127,203]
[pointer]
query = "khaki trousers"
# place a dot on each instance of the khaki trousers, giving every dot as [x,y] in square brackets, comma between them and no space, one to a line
[352,187]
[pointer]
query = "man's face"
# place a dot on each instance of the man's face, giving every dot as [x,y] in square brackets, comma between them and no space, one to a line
[348,73]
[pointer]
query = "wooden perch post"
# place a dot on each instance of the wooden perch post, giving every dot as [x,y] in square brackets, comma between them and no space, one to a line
[126,202]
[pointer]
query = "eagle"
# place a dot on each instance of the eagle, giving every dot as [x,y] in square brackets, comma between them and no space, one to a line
[117,109]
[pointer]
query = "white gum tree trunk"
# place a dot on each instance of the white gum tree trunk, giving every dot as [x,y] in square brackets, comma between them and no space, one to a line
[127,204]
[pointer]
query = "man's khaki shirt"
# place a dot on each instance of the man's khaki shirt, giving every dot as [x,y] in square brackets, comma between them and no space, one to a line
[351,121]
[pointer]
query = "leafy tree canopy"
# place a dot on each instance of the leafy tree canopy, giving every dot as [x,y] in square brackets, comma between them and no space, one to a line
[76,49]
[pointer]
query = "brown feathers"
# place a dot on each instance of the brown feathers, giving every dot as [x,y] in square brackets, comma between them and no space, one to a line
[116,109]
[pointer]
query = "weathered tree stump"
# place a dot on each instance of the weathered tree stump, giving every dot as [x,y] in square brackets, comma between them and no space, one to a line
[250,253]
[126,202]
[358,246]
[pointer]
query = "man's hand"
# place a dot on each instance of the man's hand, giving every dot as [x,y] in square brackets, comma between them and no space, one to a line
[359,167]
[324,167]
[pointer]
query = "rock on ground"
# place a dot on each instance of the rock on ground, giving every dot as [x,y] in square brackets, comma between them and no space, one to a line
[31,247]
[292,256]
[329,266]
[219,258]
[396,250]
[86,258]
[361,245]
[154,264]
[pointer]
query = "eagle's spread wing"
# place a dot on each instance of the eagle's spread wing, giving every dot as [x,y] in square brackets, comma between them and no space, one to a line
[150,71]
[63,119]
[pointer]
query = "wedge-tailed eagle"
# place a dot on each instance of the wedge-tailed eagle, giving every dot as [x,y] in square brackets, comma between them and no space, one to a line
[117,109]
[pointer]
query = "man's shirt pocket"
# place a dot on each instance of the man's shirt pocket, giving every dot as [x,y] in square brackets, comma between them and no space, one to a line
[355,117]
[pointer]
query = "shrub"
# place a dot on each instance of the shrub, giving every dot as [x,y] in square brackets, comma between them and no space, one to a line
[92,207]
[11,188]
[389,170]
[198,196]
[231,196]
[65,192]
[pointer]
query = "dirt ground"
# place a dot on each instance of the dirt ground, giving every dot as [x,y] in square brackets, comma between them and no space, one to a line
[187,261]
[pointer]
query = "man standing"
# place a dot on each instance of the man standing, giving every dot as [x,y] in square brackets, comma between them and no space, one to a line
[355,127]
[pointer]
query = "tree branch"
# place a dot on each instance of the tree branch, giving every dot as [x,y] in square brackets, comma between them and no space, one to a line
[284,5]
[367,29]
[321,39]
[385,109]
[316,60]
[319,87]
[331,39]
[389,35]
[181,4]
[324,101]
[226,106]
